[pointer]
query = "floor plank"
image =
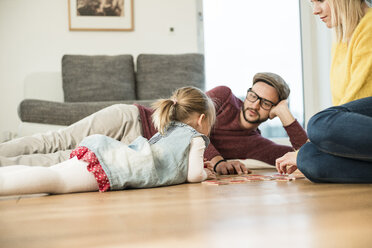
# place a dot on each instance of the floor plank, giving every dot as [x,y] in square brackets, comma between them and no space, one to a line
[255,214]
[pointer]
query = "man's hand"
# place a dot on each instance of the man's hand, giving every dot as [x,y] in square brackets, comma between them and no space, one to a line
[282,111]
[287,163]
[232,167]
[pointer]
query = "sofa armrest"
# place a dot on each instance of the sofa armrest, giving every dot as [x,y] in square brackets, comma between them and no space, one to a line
[64,114]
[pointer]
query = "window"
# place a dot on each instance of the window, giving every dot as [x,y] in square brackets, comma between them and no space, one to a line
[244,37]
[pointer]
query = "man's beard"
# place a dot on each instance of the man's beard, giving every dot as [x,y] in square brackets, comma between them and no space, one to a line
[258,121]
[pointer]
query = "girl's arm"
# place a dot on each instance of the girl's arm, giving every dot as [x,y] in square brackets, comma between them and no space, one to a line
[67,177]
[196,172]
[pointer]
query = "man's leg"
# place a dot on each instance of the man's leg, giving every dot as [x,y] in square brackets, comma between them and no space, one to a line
[320,167]
[120,122]
[344,130]
[36,159]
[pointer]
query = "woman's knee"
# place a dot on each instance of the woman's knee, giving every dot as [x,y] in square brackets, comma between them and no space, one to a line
[323,125]
[309,162]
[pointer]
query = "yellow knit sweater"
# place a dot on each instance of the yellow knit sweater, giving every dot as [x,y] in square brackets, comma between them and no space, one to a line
[351,69]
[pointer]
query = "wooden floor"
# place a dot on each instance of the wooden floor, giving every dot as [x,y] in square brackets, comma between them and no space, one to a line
[256,214]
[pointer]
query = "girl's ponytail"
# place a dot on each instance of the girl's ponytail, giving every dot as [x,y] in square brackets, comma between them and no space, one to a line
[164,113]
[184,102]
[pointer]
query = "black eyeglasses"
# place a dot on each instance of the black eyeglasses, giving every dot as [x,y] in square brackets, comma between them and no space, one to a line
[264,103]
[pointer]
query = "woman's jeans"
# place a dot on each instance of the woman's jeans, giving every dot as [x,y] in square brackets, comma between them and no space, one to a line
[340,147]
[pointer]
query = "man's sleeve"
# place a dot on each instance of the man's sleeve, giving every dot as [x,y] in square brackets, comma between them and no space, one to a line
[211,152]
[220,95]
[297,135]
[268,151]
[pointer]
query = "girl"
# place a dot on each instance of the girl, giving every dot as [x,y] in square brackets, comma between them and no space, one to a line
[172,156]
[340,137]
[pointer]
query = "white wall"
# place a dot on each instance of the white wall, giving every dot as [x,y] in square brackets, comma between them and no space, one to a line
[34,35]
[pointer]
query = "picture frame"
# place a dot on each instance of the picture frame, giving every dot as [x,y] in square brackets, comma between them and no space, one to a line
[100,15]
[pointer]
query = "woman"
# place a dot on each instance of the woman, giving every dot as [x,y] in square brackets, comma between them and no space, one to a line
[340,138]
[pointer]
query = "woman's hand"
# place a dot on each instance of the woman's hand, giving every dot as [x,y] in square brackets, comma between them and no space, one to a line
[287,164]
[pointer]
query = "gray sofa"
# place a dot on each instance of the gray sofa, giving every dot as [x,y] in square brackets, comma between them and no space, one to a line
[90,83]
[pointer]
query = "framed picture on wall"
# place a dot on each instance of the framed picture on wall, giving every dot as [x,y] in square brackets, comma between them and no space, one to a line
[101,15]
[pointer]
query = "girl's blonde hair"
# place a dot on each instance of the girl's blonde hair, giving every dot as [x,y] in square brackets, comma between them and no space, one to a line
[184,102]
[346,15]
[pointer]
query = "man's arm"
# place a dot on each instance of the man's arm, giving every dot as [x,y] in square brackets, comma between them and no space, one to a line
[297,135]
[282,111]
[222,98]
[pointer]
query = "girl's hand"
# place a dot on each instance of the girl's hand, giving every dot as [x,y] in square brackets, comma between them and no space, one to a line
[208,168]
[208,164]
[287,163]
[210,174]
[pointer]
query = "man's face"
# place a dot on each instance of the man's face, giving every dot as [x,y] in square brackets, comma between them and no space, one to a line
[252,112]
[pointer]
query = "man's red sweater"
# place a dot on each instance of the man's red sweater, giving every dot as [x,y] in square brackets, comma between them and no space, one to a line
[228,138]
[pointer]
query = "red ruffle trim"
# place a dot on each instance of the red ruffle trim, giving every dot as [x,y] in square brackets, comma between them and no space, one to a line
[83,153]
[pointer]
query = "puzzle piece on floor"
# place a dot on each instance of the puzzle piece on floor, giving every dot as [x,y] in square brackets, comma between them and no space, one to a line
[214,182]
[239,179]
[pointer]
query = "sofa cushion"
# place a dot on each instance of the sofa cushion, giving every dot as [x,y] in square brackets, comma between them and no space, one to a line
[98,78]
[159,75]
[58,113]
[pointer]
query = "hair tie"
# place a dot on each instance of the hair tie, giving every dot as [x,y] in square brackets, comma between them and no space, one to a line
[174,101]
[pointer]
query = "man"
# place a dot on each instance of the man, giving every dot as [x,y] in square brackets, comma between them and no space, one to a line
[235,135]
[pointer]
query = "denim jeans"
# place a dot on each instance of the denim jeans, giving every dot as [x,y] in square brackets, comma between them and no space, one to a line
[340,147]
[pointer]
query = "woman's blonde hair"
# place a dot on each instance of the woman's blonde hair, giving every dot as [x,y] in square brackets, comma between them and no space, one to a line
[346,15]
[179,107]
